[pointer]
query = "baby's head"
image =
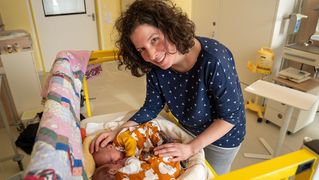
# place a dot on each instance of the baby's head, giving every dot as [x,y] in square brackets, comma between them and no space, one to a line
[107,171]
[107,154]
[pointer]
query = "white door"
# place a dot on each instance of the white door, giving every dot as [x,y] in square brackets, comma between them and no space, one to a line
[65,32]
[205,15]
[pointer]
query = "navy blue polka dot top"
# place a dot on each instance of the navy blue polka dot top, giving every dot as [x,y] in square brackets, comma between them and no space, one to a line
[209,91]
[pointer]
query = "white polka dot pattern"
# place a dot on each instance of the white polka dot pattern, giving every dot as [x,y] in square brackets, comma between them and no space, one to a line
[209,91]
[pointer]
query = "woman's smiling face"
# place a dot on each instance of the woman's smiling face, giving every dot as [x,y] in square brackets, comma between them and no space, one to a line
[151,43]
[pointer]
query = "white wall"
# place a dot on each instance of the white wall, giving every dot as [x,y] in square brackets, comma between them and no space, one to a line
[244,27]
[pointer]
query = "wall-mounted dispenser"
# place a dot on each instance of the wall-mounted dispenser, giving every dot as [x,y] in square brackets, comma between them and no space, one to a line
[295,21]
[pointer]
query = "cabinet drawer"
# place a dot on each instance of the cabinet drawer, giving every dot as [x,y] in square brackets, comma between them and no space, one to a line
[277,105]
[277,117]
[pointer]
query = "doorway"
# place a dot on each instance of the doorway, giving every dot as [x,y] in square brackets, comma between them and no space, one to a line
[60,28]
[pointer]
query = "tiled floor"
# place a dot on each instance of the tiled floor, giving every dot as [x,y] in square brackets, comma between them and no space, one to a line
[116,91]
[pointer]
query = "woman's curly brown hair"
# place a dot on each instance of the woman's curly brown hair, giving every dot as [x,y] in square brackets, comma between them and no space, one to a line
[162,14]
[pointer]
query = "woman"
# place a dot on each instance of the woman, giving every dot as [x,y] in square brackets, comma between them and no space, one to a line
[194,76]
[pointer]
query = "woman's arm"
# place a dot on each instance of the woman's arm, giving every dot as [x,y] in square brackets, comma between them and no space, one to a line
[181,152]
[154,100]
[214,132]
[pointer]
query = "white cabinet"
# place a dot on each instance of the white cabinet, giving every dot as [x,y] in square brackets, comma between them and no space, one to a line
[275,113]
[23,80]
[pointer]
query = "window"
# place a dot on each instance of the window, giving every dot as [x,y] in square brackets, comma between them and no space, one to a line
[63,7]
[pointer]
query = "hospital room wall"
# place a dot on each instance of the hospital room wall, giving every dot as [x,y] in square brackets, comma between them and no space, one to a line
[15,15]
[109,10]
[248,25]
[245,27]
[264,22]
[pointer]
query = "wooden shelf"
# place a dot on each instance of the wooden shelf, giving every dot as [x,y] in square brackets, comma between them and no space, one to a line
[303,86]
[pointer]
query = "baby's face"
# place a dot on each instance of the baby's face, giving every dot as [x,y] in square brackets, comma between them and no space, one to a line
[108,154]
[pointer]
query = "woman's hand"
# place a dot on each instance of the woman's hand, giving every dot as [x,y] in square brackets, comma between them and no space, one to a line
[178,151]
[102,140]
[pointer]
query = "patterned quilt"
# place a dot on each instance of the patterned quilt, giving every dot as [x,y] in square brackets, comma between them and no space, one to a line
[57,152]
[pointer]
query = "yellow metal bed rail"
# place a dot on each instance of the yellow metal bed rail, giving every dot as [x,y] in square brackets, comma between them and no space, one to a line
[97,57]
[101,56]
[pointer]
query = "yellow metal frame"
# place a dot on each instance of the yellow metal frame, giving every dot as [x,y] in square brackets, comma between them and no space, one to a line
[253,104]
[101,56]
[281,167]
[97,57]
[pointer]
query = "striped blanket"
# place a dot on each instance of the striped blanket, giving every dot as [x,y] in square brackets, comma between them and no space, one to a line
[57,152]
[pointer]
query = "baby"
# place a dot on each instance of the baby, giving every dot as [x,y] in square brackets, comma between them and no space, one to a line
[108,154]
[130,155]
